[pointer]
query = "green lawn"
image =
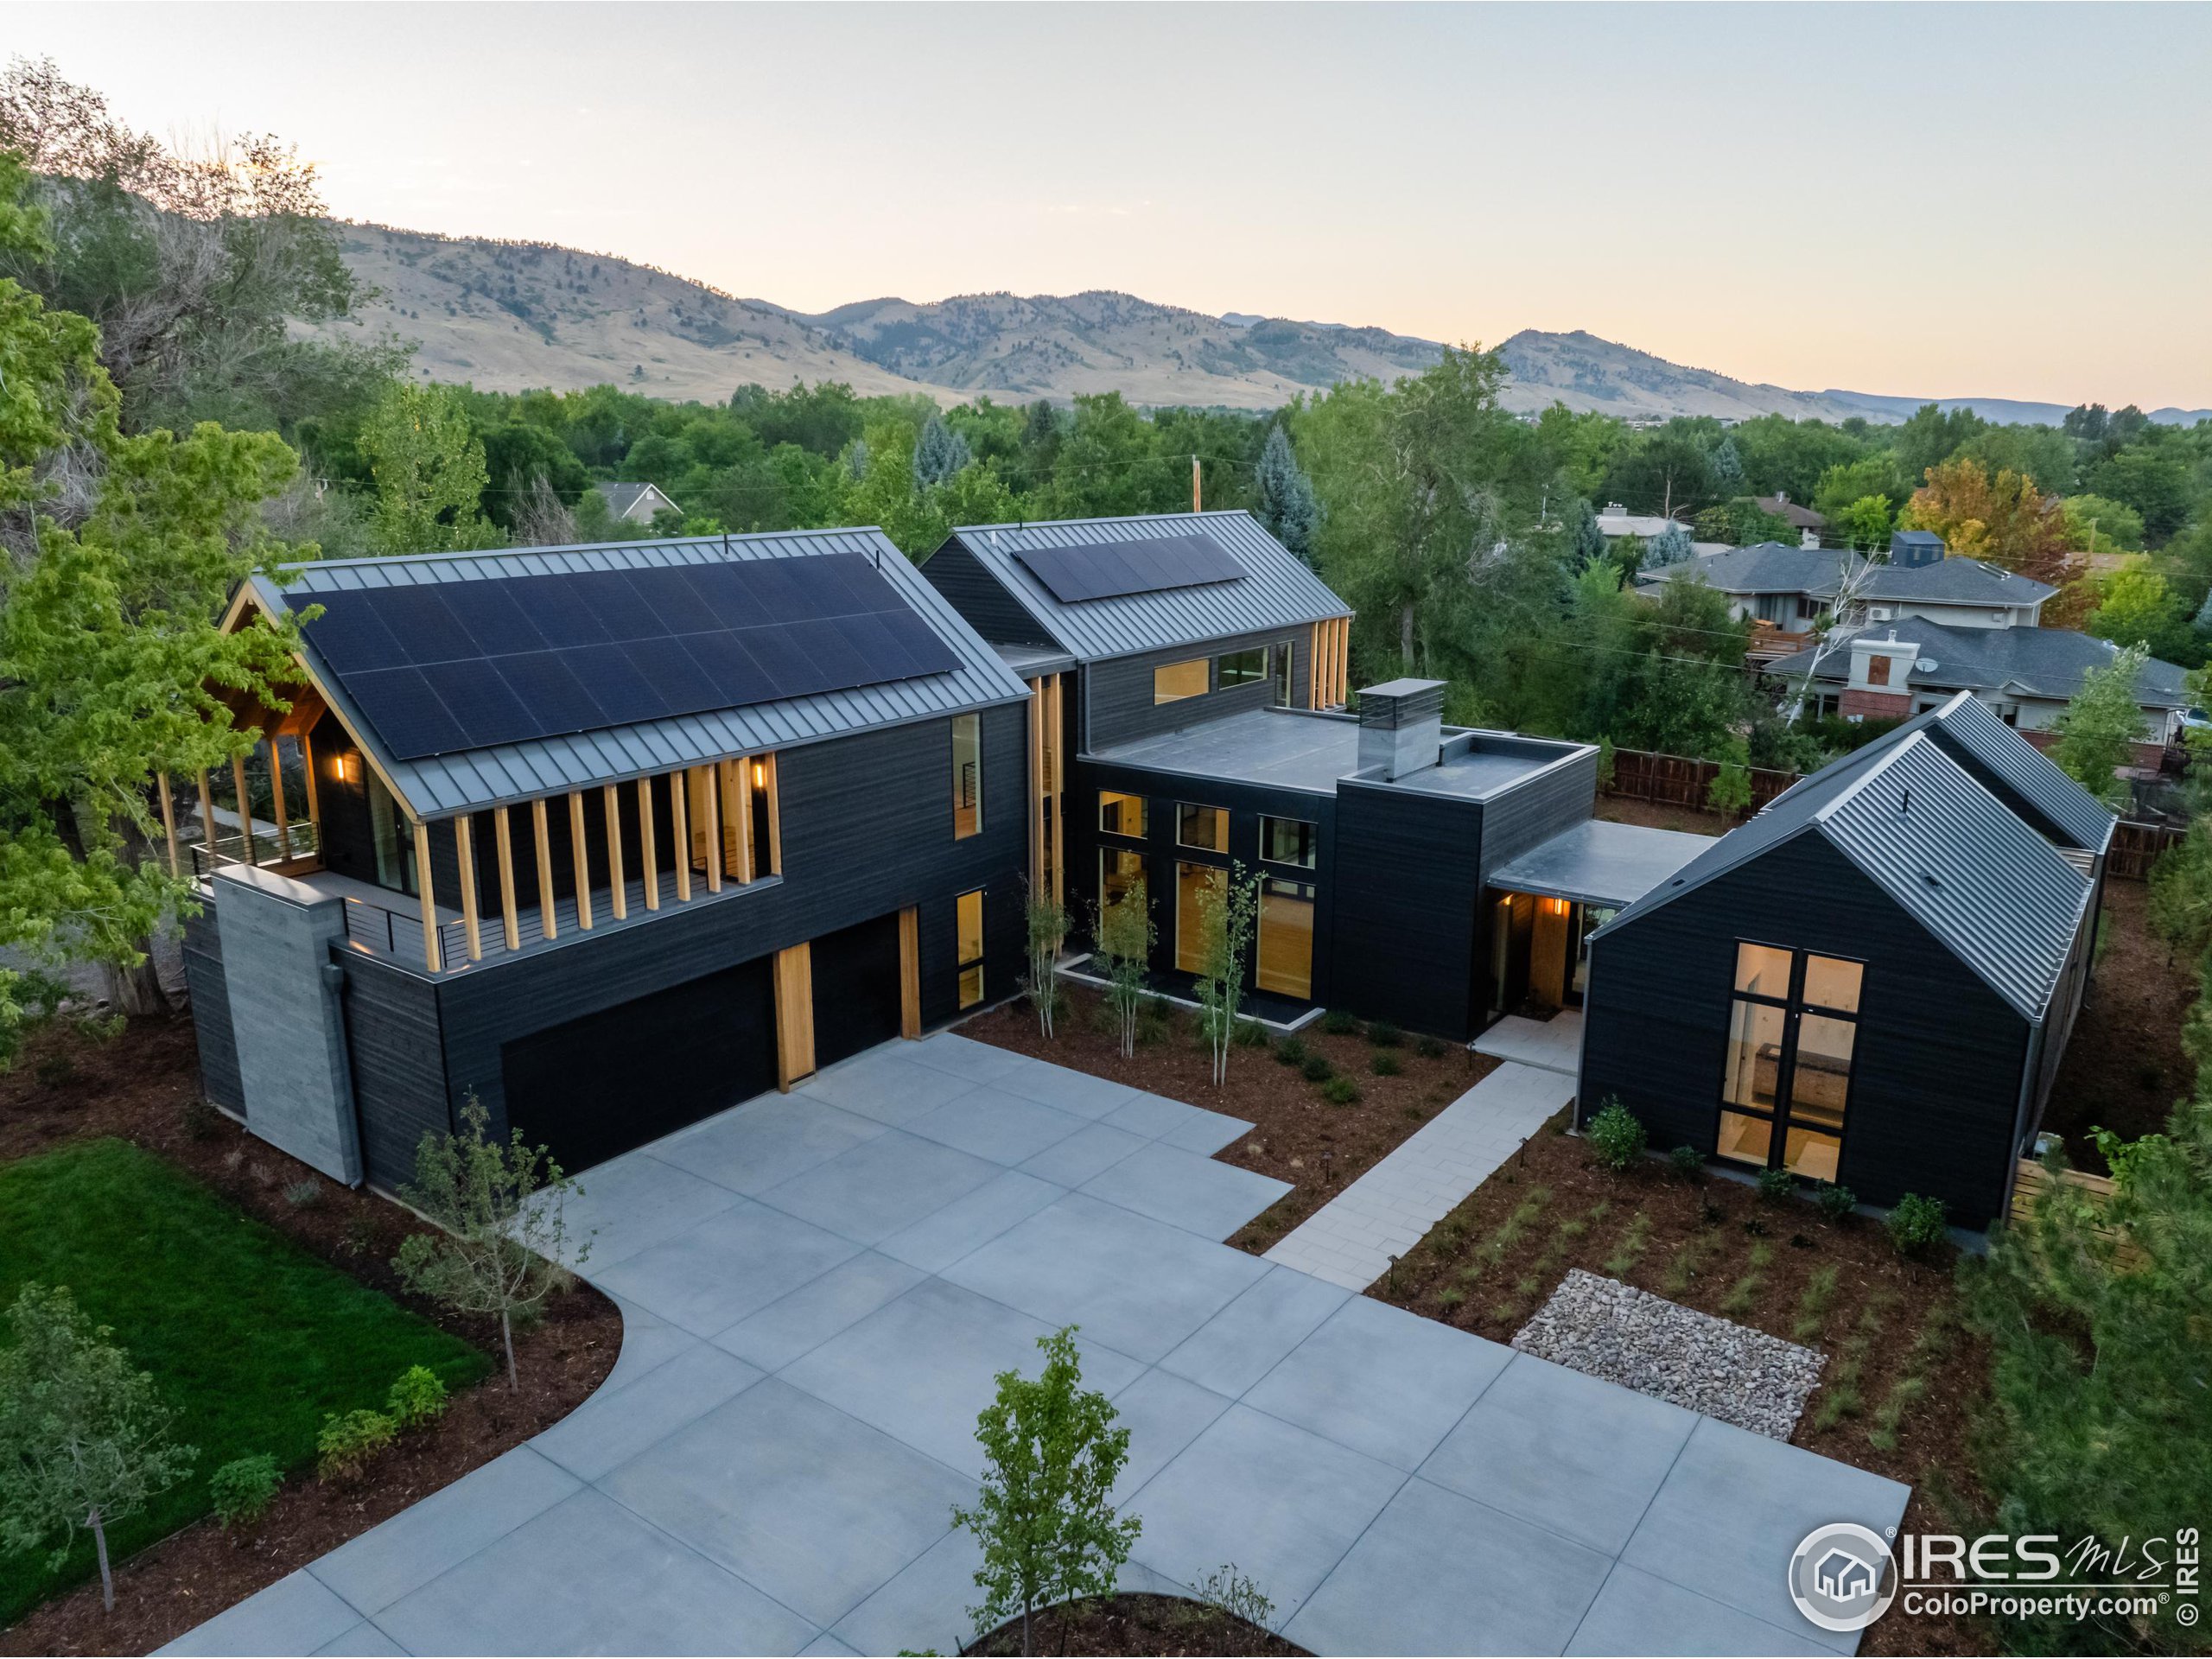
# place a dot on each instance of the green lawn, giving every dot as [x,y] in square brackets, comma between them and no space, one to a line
[252,1338]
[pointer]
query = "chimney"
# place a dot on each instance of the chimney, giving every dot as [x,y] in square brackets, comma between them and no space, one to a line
[1400,727]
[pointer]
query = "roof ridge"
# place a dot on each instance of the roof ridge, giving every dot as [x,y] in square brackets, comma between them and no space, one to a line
[717,540]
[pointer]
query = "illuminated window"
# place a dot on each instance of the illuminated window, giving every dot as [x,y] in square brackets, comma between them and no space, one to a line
[1793,1029]
[1173,681]
[967,775]
[1286,949]
[1287,841]
[1206,828]
[1193,883]
[970,914]
[1119,871]
[1120,814]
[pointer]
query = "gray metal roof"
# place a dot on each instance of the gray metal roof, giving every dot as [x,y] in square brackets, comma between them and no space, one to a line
[1951,854]
[442,784]
[1276,591]
[1774,568]
[1598,862]
[2046,663]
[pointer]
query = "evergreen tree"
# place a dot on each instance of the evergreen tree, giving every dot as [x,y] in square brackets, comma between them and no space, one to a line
[938,453]
[1287,508]
[1670,546]
[1583,539]
[1727,467]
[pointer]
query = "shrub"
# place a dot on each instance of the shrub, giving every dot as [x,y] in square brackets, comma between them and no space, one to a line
[1229,1592]
[1383,1035]
[1430,1048]
[1385,1065]
[1916,1224]
[1318,1069]
[1835,1202]
[1339,1023]
[55,1071]
[1250,1033]
[1290,1051]
[1340,1091]
[416,1398]
[346,1444]
[1618,1135]
[242,1489]
[1777,1186]
[200,1118]
[304,1195]
[1686,1163]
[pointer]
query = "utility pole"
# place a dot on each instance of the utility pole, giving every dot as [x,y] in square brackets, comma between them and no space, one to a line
[1197,505]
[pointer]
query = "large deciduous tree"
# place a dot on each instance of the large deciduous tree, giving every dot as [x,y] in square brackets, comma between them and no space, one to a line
[2000,517]
[2100,725]
[429,467]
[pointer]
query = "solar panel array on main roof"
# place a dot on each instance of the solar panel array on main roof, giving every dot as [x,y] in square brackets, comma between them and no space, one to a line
[1110,569]
[468,664]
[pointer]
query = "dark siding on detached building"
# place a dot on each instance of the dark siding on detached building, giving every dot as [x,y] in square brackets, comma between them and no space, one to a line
[1408,879]
[1532,812]
[1937,1070]
[210,1010]
[977,595]
[399,1065]
[1121,709]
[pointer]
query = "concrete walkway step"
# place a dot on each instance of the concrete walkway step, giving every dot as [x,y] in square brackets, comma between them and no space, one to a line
[1553,1044]
[1350,1239]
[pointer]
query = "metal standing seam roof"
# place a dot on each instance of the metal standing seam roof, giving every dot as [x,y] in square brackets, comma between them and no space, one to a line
[1600,863]
[1276,591]
[441,785]
[1954,857]
[2045,663]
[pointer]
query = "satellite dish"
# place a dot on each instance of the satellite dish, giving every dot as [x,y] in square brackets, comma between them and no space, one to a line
[1924,665]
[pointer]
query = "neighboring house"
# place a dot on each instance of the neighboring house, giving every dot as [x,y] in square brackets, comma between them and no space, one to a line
[2023,674]
[1615,521]
[1793,587]
[1872,981]
[1801,519]
[692,818]
[634,504]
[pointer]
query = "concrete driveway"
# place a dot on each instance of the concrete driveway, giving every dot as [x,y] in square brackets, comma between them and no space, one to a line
[818,1289]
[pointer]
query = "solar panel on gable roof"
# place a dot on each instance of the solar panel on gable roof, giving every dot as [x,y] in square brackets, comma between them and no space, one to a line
[788,670]
[668,591]
[778,593]
[399,705]
[552,690]
[351,637]
[830,651]
[619,690]
[926,651]
[1140,565]
[668,667]
[883,650]
[737,677]
[728,600]
[487,611]
[560,611]
[621,609]
[419,620]
[482,704]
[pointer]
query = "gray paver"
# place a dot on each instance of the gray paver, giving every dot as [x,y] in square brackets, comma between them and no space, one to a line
[1380,1381]
[647,1340]
[964,1057]
[1185,1190]
[1091,1148]
[297,1614]
[1164,1414]
[939,1239]
[1242,1343]
[796,1497]
[925,1608]
[1514,1588]
[989,1122]
[405,1553]
[881,1086]
[588,1576]
[611,1428]
[632,1202]
[1733,1508]
[1637,1614]
[1581,1457]
[733,1263]
[1153,1116]
[818,1310]
[881,1186]
[766,1141]
[1075,1092]
[1207,1133]
[364,1641]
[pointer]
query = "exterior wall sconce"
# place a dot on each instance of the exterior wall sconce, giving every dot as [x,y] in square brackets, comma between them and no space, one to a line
[349,767]
[760,774]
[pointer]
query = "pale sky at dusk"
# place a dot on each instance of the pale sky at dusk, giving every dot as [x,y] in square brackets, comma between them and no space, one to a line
[1932,200]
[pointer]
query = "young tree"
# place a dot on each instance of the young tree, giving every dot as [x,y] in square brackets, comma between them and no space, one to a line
[1122,934]
[1286,507]
[1670,546]
[84,1439]
[1833,630]
[2100,726]
[1045,1518]
[429,467]
[1047,921]
[938,453]
[1227,911]
[502,1207]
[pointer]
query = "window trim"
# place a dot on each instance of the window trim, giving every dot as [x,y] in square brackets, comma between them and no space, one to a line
[1312,858]
[1221,680]
[1195,846]
[973,722]
[1311,891]
[1144,815]
[1793,1007]
[963,966]
[1204,664]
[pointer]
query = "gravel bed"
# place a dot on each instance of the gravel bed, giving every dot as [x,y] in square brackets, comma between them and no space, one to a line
[1604,1328]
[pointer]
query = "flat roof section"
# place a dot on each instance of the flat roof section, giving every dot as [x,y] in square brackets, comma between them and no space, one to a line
[1601,863]
[1280,749]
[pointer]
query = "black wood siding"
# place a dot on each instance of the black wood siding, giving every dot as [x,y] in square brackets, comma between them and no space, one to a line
[1535,811]
[399,1065]
[981,599]
[1408,883]
[1936,1076]
[349,846]
[1118,705]
[211,1011]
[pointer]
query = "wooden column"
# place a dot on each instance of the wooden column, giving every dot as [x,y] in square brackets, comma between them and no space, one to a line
[710,797]
[503,837]
[169,821]
[775,819]
[1036,879]
[469,918]
[910,972]
[679,828]
[276,795]
[547,925]
[582,859]
[616,895]
[1314,668]
[314,801]
[648,854]
[433,957]
[245,806]
[207,820]
[1056,790]
[794,1015]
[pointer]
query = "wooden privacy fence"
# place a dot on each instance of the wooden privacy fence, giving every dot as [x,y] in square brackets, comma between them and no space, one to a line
[1678,780]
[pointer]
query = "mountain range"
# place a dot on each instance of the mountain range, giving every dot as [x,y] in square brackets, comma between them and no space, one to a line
[511,315]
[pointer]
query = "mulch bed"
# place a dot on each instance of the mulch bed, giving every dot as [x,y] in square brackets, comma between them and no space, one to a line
[144,1085]
[1136,1625]
[1903,1379]
[1296,1136]
[2125,1067]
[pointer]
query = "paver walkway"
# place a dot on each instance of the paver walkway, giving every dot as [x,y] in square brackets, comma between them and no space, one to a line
[817,1289]
[1350,1240]
[1554,1044]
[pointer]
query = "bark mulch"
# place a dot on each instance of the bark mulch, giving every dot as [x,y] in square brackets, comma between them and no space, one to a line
[2125,1067]
[1135,1623]
[144,1085]
[1297,1136]
[1903,1379]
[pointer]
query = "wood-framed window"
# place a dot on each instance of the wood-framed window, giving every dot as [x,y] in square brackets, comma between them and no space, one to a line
[1173,681]
[966,776]
[1877,671]
[1280,658]
[1120,814]
[968,916]
[1288,841]
[1284,958]
[1246,667]
[1205,829]
[1193,883]
[1793,1034]
[1120,870]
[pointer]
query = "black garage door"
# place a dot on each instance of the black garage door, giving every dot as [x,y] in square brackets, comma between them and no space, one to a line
[855,988]
[611,1081]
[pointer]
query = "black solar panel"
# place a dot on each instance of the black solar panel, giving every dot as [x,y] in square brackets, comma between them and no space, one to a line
[468,664]
[1111,569]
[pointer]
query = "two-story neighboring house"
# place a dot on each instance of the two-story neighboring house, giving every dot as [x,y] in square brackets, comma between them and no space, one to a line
[1793,587]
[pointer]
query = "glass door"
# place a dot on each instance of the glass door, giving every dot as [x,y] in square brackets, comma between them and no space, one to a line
[1793,1033]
